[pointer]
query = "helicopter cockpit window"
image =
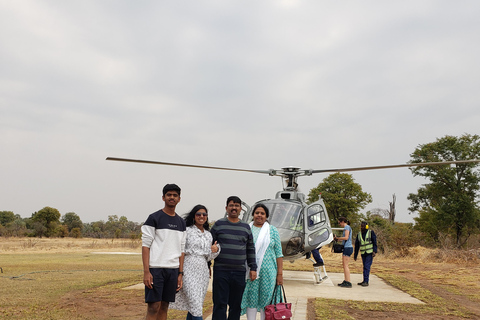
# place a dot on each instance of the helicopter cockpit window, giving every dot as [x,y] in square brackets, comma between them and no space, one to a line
[285,215]
[316,216]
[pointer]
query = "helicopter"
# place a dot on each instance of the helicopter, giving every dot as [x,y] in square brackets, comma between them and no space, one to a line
[302,226]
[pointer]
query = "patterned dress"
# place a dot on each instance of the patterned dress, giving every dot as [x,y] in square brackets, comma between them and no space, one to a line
[258,293]
[195,271]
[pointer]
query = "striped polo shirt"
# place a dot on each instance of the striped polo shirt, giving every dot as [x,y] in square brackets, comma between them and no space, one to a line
[237,245]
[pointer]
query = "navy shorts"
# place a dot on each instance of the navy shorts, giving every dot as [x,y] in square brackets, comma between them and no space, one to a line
[347,251]
[164,285]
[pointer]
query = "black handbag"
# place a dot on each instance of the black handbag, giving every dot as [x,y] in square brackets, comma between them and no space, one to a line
[337,247]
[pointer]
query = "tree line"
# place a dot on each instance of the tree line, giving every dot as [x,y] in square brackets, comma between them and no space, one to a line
[48,222]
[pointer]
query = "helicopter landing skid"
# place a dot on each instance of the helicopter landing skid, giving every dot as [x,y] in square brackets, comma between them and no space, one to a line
[317,272]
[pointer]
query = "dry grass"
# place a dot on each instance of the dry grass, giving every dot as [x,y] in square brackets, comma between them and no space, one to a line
[61,245]
[422,254]
[448,281]
[61,278]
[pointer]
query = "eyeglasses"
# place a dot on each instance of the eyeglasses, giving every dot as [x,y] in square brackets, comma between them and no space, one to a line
[198,214]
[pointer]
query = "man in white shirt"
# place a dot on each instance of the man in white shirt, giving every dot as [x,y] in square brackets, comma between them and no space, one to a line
[163,246]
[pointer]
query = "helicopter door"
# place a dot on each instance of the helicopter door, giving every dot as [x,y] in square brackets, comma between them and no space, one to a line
[317,226]
[245,209]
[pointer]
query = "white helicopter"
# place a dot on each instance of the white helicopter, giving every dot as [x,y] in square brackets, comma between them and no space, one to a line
[302,227]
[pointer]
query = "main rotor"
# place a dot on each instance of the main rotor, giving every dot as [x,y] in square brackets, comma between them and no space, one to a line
[290,174]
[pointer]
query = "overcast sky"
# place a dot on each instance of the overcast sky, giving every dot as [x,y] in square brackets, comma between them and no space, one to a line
[243,84]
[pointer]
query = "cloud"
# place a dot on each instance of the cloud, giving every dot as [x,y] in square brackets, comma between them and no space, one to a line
[238,84]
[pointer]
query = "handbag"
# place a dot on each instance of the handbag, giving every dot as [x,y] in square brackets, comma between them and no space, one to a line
[337,247]
[278,311]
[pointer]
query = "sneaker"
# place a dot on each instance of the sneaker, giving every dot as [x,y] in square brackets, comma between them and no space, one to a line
[361,283]
[340,284]
[346,284]
[318,264]
[365,284]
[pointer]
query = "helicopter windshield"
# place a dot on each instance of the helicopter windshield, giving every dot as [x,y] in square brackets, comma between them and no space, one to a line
[285,215]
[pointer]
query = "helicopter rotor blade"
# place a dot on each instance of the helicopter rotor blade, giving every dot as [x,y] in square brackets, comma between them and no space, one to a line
[269,172]
[395,166]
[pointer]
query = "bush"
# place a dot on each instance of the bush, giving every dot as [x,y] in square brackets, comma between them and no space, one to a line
[76,233]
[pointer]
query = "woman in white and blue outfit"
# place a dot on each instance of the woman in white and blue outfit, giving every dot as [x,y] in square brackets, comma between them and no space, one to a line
[347,250]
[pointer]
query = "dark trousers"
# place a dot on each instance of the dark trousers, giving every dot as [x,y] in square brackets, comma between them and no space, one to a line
[228,289]
[316,255]
[190,317]
[367,260]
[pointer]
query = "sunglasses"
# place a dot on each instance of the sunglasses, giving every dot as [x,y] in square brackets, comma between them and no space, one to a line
[198,214]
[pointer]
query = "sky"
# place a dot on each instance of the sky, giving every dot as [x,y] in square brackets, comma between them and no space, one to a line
[240,84]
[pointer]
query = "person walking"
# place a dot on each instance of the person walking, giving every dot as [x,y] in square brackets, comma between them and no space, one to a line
[269,257]
[366,244]
[347,250]
[237,249]
[163,245]
[317,256]
[198,251]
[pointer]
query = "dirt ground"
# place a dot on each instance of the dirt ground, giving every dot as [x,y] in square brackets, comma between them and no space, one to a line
[458,283]
[128,304]
[437,283]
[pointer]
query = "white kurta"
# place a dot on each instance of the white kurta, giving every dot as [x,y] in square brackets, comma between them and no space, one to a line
[195,271]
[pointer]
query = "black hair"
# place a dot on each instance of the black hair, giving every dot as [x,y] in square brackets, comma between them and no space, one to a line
[260,205]
[235,199]
[343,219]
[190,217]
[171,187]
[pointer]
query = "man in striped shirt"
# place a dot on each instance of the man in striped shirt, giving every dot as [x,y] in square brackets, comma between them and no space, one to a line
[236,240]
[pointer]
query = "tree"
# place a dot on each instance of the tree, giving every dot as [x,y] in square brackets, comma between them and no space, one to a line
[72,220]
[342,196]
[392,212]
[17,227]
[76,233]
[46,221]
[6,217]
[448,204]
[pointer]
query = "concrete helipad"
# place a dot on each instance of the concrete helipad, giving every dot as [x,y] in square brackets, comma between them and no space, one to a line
[300,286]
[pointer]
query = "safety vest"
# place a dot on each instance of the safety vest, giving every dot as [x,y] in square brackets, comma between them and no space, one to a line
[366,246]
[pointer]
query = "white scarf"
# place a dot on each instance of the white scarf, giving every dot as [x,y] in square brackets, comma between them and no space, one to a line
[261,246]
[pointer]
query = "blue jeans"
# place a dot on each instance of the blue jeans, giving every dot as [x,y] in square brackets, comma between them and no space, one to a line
[190,317]
[228,287]
[367,260]
[316,256]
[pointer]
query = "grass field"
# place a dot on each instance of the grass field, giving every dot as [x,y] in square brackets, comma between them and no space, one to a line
[71,279]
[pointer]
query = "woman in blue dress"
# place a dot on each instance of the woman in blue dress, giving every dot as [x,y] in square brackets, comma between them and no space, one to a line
[268,251]
[347,250]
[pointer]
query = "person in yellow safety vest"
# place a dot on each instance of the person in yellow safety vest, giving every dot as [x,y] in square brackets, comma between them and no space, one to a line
[366,243]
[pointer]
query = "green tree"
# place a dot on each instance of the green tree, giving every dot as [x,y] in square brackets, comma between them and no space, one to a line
[76,233]
[449,203]
[343,197]
[18,227]
[46,221]
[72,220]
[6,217]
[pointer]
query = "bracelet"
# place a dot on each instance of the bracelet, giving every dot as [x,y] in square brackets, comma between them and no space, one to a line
[180,272]
[279,274]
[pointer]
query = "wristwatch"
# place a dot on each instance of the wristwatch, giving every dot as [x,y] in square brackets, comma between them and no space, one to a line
[180,272]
